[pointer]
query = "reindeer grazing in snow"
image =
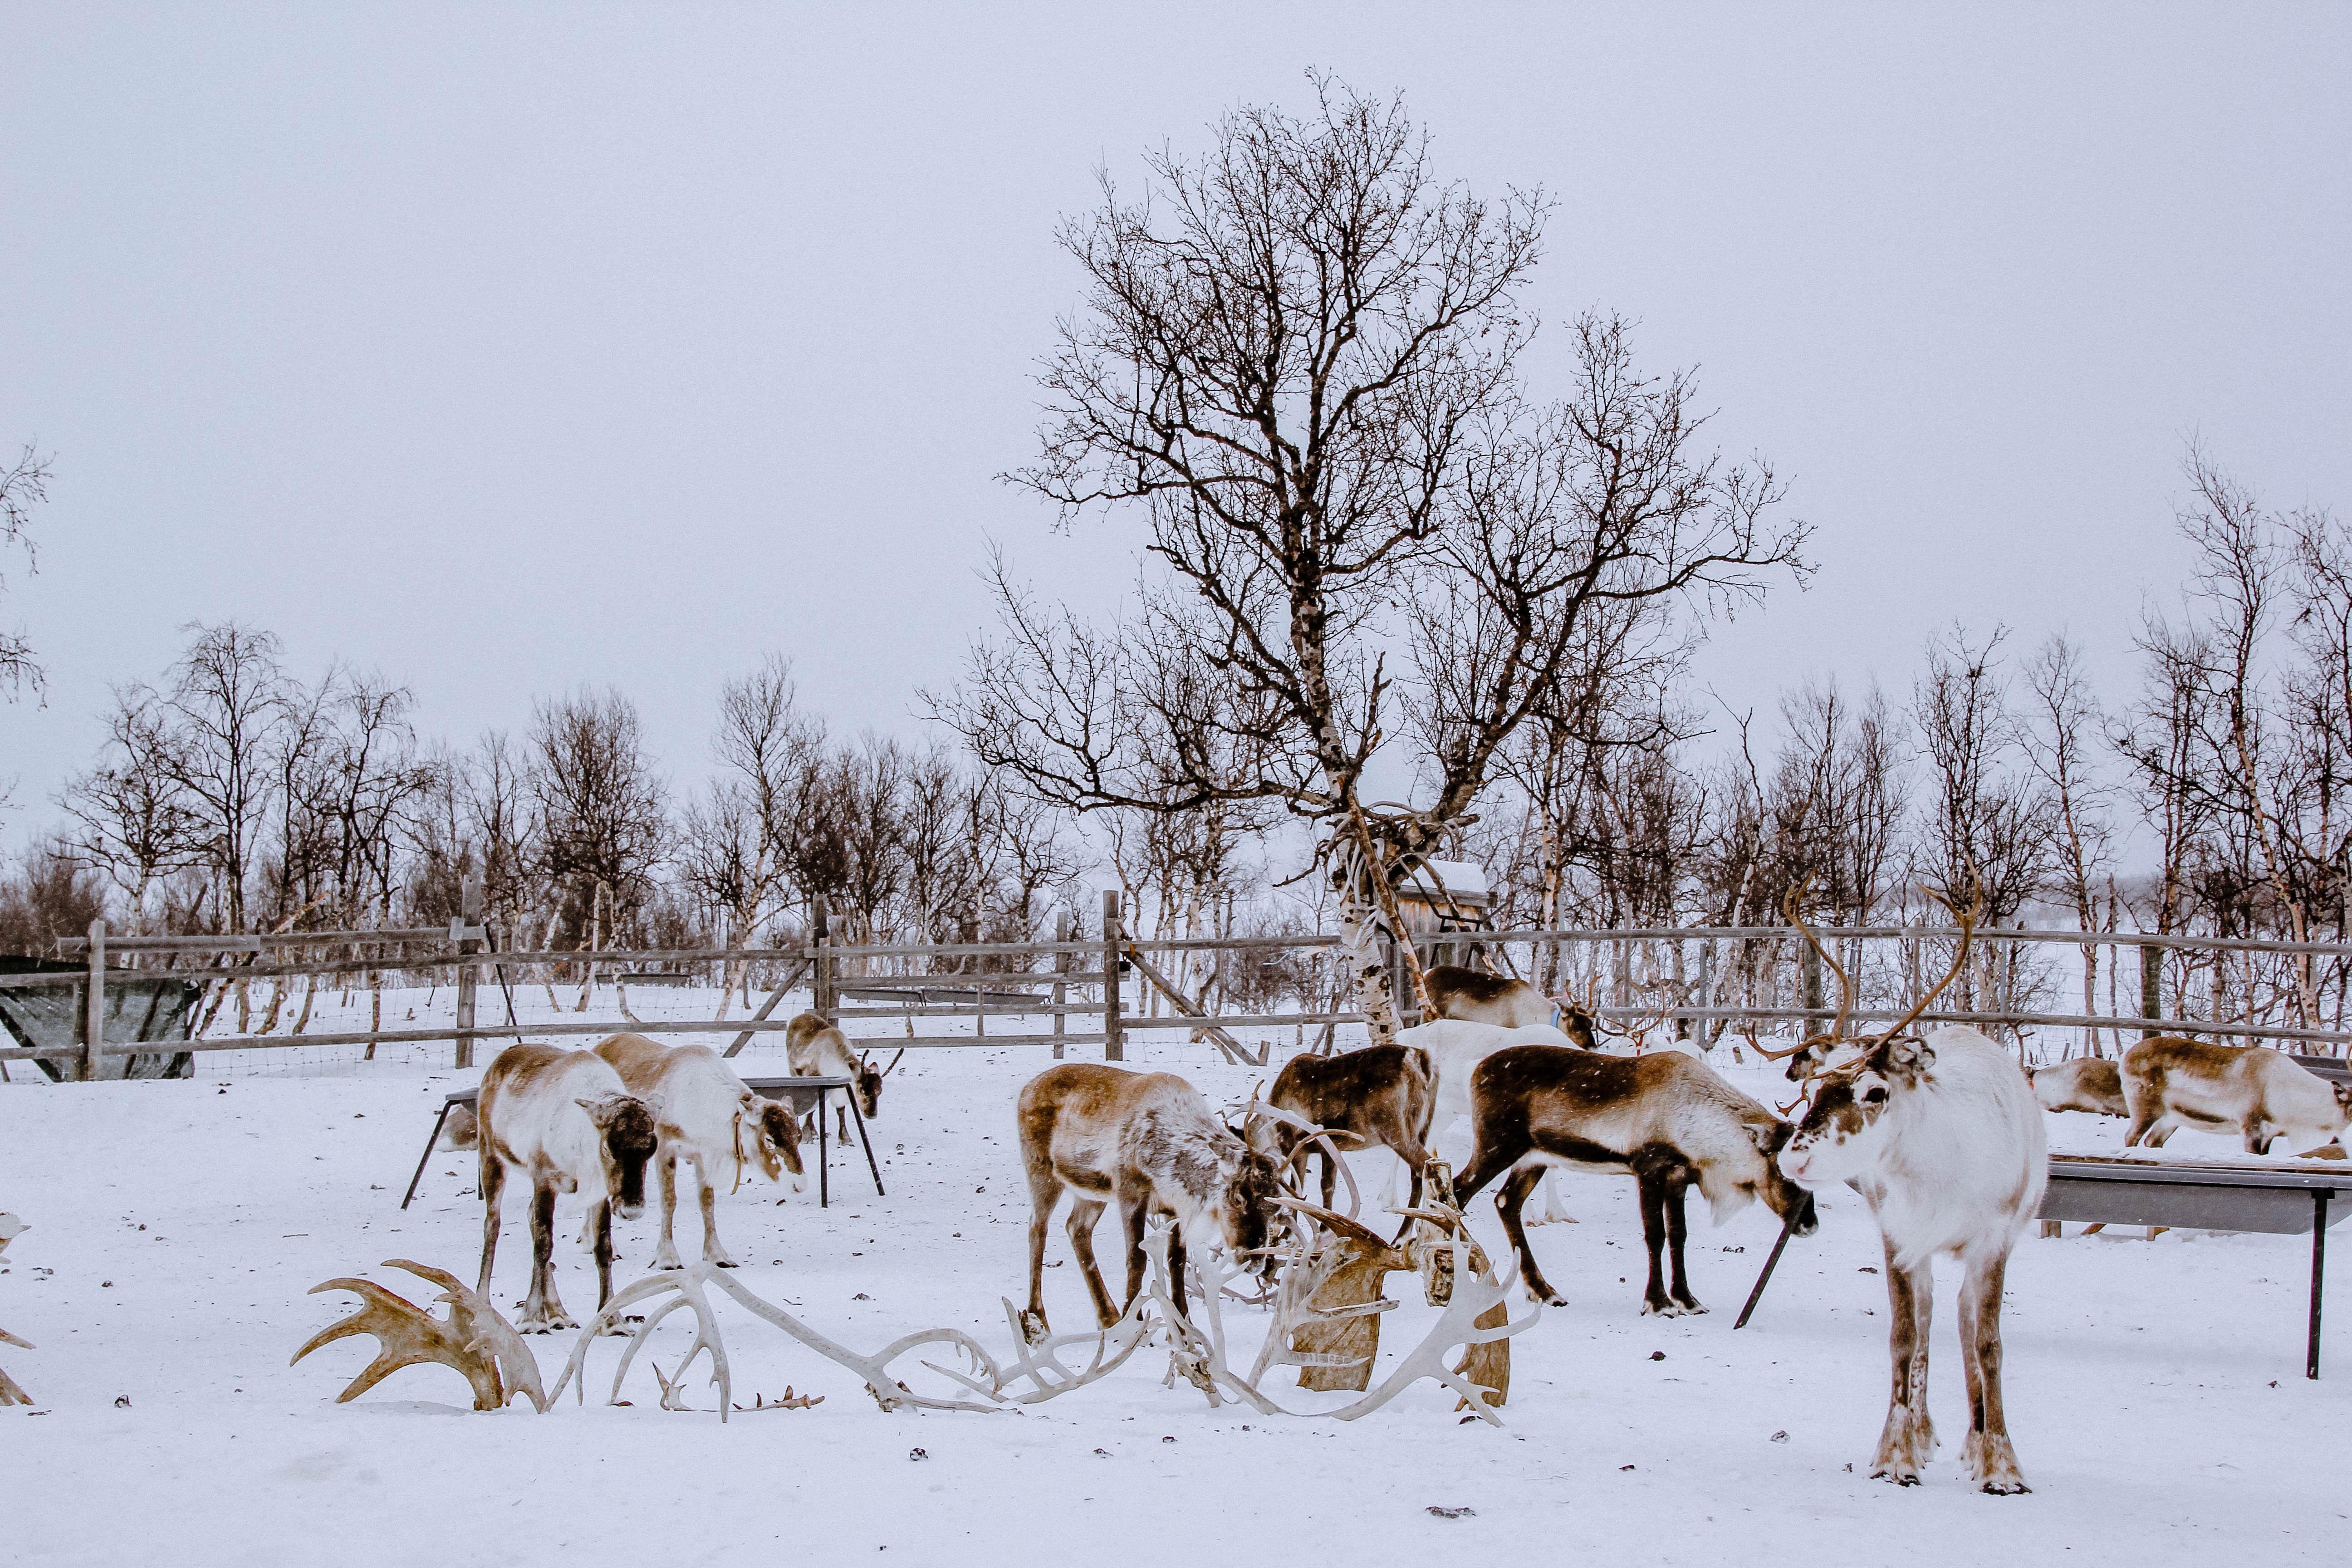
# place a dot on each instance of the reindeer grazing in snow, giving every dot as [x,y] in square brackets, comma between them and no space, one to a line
[2088,1083]
[704,1116]
[1663,1118]
[1149,1143]
[1380,1095]
[2252,1091]
[1944,1139]
[817,1049]
[568,1123]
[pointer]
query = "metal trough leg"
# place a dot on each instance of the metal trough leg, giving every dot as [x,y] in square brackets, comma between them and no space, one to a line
[433,1138]
[2319,1274]
[824,1102]
[859,1117]
[1765,1278]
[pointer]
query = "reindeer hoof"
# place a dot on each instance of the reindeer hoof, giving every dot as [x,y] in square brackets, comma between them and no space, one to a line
[552,1323]
[1033,1327]
[1901,1477]
[662,1267]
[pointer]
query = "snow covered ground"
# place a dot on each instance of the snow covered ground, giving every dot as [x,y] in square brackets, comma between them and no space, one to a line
[2155,1389]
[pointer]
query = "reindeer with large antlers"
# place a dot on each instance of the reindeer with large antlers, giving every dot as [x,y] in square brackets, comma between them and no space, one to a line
[1944,1139]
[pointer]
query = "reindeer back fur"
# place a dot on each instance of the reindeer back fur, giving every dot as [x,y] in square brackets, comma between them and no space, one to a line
[1454,1048]
[1471,993]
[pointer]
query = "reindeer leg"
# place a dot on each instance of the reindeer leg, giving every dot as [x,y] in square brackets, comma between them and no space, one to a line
[1134,1214]
[1176,1265]
[714,1251]
[1508,1203]
[1909,1438]
[542,1309]
[1992,1462]
[493,1183]
[666,1254]
[1044,1194]
[1330,1174]
[601,1219]
[1653,1190]
[1083,1212]
[1678,1228]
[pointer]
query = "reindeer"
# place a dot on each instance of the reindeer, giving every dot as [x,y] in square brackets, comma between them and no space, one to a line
[2259,1093]
[565,1120]
[1663,1118]
[2088,1083]
[817,1049]
[1149,1143]
[704,1116]
[1944,1139]
[1382,1096]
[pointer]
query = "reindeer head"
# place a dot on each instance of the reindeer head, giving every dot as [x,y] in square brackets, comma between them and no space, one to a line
[774,1134]
[1845,1129]
[1780,1195]
[627,1140]
[1250,1215]
[869,1087]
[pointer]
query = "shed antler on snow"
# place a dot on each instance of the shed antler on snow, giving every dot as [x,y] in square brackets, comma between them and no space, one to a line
[473,1339]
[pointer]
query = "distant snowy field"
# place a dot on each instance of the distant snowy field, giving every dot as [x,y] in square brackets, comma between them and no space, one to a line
[2156,1389]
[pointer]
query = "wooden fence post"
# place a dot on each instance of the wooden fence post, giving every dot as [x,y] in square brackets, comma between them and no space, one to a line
[1061,966]
[461,930]
[821,996]
[2151,986]
[94,1046]
[1113,961]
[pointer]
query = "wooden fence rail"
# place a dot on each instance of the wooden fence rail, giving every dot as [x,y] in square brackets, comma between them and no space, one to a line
[831,971]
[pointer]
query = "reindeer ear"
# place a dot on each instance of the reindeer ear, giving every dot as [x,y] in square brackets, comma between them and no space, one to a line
[1909,1056]
[1768,1136]
[599,1110]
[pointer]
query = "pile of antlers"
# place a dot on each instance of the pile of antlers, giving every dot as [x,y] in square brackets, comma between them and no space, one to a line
[474,1339]
[1322,1245]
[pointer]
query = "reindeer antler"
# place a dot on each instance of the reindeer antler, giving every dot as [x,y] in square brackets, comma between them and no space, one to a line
[1846,980]
[1968,923]
[474,1340]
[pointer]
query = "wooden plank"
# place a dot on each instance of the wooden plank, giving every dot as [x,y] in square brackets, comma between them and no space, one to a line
[1114,1039]
[768,1007]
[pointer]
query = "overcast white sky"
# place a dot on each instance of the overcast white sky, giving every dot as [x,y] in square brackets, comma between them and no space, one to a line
[510,348]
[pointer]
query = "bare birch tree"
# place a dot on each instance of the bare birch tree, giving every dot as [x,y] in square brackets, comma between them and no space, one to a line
[1298,361]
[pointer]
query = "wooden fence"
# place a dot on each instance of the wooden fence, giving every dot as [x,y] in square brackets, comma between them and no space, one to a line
[1676,979]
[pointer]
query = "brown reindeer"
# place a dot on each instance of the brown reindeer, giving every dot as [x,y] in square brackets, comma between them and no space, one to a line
[817,1049]
[1382,1096]
[1150,1143]
[1664,1118]
[2260,1094]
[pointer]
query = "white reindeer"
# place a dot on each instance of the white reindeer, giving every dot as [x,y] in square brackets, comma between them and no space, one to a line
[567,1123]
[706,1116]
[1944,1139]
